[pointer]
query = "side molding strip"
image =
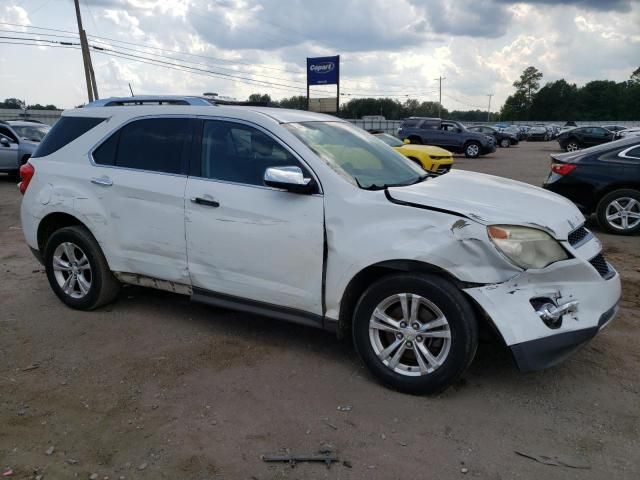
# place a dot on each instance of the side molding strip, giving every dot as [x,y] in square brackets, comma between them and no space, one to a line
[259,308]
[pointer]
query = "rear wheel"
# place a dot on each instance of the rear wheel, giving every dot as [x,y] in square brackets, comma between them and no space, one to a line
[505,143]
[472,150]
[619,212]
[415,332]
[572,146]
[77,270]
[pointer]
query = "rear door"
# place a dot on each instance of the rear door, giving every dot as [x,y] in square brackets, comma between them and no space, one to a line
[244,239]
[139,173]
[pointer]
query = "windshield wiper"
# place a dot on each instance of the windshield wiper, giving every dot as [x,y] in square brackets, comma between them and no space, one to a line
[373,186]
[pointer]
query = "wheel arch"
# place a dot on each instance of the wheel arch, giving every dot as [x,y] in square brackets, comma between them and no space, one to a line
[612,187]
[372,273]
[55,221]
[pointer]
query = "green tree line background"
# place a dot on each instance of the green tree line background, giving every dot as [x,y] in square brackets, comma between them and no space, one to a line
[603,100]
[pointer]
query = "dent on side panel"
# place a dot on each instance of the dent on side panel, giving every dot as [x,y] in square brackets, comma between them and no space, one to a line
[386,231]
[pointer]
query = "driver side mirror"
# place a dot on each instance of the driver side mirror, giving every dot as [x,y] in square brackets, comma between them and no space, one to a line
[289,178]
[4,142]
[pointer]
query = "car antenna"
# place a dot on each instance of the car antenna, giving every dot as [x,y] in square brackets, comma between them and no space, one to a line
[131,90]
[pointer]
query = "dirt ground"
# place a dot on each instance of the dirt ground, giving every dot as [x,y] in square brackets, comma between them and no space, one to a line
[156,387]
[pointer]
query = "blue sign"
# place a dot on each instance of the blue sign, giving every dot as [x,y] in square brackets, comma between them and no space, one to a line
[323,70]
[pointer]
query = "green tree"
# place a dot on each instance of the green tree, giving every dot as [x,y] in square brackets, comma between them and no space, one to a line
[635,76]
[518,105]
[555,101]
[260,98]
[12,103]
[297,102]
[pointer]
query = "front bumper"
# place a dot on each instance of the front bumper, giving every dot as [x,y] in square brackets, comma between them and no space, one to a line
[534,344]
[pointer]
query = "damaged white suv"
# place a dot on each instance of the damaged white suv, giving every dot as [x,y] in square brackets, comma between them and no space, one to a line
[304,217]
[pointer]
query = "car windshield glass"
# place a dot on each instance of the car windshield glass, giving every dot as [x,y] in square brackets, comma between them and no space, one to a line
[390,140]
[32,132]
[357,155]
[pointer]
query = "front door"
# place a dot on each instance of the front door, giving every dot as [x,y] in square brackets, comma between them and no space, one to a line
[247,240]
[8,154]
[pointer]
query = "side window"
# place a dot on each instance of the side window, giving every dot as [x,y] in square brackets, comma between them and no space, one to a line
[239,153]
[154,144]
[65,131]
[8,133]
[634,153]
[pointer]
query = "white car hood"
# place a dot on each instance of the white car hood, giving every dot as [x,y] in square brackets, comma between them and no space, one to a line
[488,199]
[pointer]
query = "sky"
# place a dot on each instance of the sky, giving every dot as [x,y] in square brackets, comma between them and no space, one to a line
[387,48]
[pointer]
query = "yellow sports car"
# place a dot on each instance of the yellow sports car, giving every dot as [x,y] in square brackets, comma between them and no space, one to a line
[432,159]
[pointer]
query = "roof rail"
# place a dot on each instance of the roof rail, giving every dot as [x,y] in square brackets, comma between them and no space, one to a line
[30,120]
[169,100]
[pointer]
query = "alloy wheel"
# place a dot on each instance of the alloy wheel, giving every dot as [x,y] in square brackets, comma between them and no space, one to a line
[473,150]
[72,270]
[409,334]
[572,147]
[623,213]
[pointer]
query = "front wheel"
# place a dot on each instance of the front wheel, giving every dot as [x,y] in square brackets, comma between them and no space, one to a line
[619,212]
[472,150]
[77,269]
[415,332]
[505,143]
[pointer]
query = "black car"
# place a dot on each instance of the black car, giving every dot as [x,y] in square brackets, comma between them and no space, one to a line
[538,133]
[604,180]
[503,139]
[614,128]
[447,134]
[583,137]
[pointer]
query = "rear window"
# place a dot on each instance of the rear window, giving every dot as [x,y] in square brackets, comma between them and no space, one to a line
[65,131]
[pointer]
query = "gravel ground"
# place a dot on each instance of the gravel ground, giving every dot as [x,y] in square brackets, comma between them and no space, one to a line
[156,387]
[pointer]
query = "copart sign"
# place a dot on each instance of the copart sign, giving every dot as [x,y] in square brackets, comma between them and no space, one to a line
[323,70]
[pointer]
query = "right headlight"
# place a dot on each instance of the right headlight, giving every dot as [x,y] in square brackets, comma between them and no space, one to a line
[526,247]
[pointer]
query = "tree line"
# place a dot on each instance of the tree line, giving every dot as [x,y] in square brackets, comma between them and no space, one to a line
[561,100]
[15,104]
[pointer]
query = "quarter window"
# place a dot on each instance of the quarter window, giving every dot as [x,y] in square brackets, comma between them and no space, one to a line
[65,131]
[153,144]
[239,153]
[634,153]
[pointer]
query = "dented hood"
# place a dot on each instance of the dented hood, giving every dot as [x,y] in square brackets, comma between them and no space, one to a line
[493,200]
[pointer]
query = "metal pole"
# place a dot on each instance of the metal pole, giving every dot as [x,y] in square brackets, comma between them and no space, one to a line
[85,52]
[440,78]
[489,109]
[338,88]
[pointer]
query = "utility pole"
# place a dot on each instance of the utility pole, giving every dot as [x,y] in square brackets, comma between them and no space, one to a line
[489,108]
[440,78]
[92,88]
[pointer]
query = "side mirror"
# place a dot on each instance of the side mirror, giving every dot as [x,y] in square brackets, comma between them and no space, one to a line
[288,178]
[4,142]
[406,141]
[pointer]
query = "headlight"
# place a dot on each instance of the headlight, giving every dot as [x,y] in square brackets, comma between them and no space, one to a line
[526,247]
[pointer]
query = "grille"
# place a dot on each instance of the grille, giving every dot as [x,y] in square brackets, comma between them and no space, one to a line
[578,235]
[444,169]
[600,264]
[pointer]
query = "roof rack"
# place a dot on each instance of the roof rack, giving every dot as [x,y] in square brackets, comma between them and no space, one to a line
[169,100]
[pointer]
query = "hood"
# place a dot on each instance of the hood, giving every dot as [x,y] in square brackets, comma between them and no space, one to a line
[488,199]
[430,150]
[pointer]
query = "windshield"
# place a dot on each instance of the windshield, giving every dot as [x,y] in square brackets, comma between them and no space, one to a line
[389,140]
[34,133]
[357,154]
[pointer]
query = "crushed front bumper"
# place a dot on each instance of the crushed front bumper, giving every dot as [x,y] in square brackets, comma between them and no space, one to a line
[535,345]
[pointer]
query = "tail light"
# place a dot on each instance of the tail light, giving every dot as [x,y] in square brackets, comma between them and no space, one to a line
[563,168]
[26,174]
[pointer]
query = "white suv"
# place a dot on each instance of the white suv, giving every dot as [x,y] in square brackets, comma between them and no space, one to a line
[304,217]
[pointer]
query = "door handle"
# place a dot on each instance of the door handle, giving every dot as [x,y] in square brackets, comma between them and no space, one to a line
[205,201]
[103,180]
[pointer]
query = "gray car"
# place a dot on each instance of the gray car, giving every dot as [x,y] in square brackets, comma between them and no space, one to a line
[18,140]
[447,134]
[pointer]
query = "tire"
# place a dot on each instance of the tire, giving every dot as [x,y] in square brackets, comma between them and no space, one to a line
[572,146]
[73,250]
[505,143]
[619,212]
[472,150]
[438,298]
